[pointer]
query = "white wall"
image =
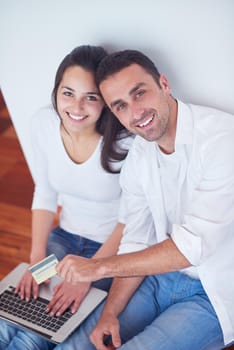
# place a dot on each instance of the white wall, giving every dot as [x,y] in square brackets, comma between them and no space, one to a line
[191,41]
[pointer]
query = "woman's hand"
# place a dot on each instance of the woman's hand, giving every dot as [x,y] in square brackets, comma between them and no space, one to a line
[67,295]
[27,287]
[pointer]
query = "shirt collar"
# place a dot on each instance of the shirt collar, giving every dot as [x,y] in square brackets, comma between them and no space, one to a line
[184,127]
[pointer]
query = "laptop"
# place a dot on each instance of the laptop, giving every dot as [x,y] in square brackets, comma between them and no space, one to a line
[31,315]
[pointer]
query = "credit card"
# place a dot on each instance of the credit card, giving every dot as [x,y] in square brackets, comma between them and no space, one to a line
[44,269]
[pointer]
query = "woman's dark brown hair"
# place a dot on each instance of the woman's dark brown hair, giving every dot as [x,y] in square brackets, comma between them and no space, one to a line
[88,57]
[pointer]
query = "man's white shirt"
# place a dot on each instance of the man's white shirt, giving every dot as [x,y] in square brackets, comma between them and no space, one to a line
[194,204]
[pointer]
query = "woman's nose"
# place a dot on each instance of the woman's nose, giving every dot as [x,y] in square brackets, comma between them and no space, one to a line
[78,105]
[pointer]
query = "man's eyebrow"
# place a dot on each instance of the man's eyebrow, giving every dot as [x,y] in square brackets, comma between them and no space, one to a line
[135,88]
[114,103]
[131,92]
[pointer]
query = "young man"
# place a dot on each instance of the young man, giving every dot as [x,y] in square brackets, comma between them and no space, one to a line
[178,188]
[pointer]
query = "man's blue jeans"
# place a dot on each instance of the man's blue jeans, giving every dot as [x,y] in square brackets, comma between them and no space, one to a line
[60,243]
[168,312]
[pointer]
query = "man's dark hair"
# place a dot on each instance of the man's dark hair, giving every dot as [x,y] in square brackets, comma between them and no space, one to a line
[117,61]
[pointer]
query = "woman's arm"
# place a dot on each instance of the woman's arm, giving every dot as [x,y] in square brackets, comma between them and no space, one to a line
[111,246]
[42,222]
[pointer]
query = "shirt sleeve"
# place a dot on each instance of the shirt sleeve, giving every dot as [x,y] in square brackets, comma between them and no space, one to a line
[139,226]
[44,197]
[208,220]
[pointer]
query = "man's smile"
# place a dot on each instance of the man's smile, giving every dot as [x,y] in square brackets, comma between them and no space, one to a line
[146,122]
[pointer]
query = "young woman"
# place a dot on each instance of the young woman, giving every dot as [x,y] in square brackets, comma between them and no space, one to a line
[77,165]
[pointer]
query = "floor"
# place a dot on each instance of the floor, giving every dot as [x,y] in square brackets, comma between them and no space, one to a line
[16,188]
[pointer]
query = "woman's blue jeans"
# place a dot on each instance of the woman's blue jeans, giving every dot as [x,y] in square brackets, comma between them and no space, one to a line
[168,312]
[60,243]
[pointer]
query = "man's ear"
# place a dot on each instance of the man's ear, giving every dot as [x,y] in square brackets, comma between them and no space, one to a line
[164,83]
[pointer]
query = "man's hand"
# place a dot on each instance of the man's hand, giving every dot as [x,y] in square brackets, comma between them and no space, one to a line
[66,295]
[108,325]
[75,269]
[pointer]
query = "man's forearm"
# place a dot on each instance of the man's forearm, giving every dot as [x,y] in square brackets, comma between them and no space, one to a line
[160,258]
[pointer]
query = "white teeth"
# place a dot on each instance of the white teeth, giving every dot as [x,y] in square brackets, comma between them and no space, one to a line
[76,117]
[146,122]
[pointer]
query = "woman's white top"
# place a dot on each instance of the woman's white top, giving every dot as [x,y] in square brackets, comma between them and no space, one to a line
[89,195]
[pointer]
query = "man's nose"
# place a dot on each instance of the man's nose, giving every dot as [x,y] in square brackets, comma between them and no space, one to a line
[137,112]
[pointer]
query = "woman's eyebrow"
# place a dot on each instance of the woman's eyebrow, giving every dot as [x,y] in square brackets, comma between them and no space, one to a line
[86,93]
[93,93]
[67,87]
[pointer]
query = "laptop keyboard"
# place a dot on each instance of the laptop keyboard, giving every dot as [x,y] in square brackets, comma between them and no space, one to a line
[32,311]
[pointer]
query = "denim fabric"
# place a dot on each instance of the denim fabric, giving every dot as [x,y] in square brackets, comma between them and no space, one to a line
[12,338]
[167,312]
[60,243]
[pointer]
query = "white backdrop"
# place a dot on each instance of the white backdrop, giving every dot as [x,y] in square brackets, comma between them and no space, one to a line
[191,41]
